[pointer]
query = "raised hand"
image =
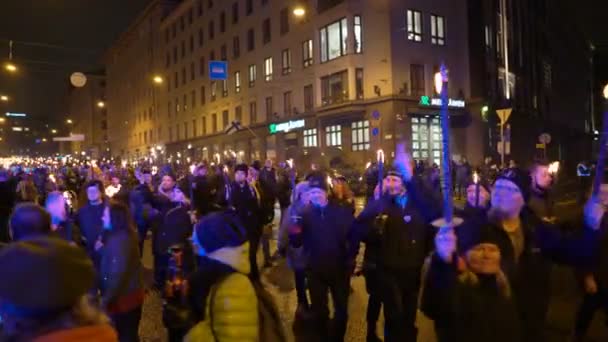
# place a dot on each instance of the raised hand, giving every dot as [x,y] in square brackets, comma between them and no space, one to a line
[403,161]
[594,212]
[445,244]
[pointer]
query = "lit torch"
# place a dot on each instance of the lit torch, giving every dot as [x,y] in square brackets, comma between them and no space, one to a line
[380,158]
[554,168]
[476,181]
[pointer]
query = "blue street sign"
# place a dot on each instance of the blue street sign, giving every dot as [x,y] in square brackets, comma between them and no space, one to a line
[218,70]
[375,131]
[376,115]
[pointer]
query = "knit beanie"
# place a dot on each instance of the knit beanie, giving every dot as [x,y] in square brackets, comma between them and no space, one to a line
[518,177]
[43,276]
[220,229]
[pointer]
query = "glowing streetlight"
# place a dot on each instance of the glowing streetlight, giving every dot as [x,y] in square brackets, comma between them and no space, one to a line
[2,120]
[69,121]
[299,11]
[10,67]
[54,131]
[43,139]
[606,91]
[4,98]
[158,79]
[101,104]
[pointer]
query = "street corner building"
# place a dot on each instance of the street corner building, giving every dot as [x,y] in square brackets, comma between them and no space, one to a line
[320,81]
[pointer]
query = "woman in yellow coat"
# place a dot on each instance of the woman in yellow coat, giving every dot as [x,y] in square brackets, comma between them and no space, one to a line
[222,297]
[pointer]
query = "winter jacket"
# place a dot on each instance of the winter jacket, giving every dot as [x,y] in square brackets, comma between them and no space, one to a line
[530,274]
[598,265]
[90,333]
[541,203]
[295,256]
[326,235]
[268,182]
[176,229]
[221,292]
[202,195]
[91,226]
[400,228]
[244,199]
[474,308]
[121,272]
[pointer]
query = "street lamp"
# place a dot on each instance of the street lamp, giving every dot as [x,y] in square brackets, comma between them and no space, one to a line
[69,121]
[299,11]
[158,79]
[606,92]
[10,67]
[3,98]
[54,131]
[2,120]
[101,104]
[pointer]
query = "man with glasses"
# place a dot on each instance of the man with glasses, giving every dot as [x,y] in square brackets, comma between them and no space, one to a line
[527,244]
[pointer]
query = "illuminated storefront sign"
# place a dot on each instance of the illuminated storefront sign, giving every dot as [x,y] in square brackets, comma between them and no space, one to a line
[286,126]
[436,102]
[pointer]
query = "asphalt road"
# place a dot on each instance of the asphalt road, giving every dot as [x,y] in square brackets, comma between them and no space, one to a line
[279,281]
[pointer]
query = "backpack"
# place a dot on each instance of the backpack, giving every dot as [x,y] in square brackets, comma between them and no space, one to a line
[269,320]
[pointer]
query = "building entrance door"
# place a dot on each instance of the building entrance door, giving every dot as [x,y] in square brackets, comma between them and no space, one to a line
[426,139]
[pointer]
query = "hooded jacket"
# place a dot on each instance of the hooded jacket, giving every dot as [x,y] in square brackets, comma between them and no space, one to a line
[222,290]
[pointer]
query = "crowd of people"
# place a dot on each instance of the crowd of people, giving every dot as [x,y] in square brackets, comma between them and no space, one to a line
[73,237]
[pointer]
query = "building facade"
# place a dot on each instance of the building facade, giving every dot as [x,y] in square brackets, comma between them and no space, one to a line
[336,83]
[132,63]
[343,80]
[526,40]
[87,115]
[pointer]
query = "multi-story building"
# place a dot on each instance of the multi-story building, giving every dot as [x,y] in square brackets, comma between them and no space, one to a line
[87,115]
[342,79]
[548,90]
[132,94]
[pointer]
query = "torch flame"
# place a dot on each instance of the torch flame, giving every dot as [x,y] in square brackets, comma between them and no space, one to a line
[290,163]
[380,156]
[368,165]
[475,177]
[554,168]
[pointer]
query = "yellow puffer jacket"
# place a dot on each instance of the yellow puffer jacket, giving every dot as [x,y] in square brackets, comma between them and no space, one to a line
[235,313]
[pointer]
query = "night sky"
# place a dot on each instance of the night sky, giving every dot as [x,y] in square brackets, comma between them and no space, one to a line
[84,27]
[87,27]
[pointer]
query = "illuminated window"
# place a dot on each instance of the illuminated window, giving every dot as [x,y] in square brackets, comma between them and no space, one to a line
[437,30]
[333,136]
[333,40]
[414,25]
[310,137]
[286,61]
[360,135]
[358,30]
[268,69]
[307,56]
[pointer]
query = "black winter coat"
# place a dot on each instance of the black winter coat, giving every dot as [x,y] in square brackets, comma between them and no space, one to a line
[405,236]
[472,312]
[326,236]
[530,275]
[247,206]
[91,226]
